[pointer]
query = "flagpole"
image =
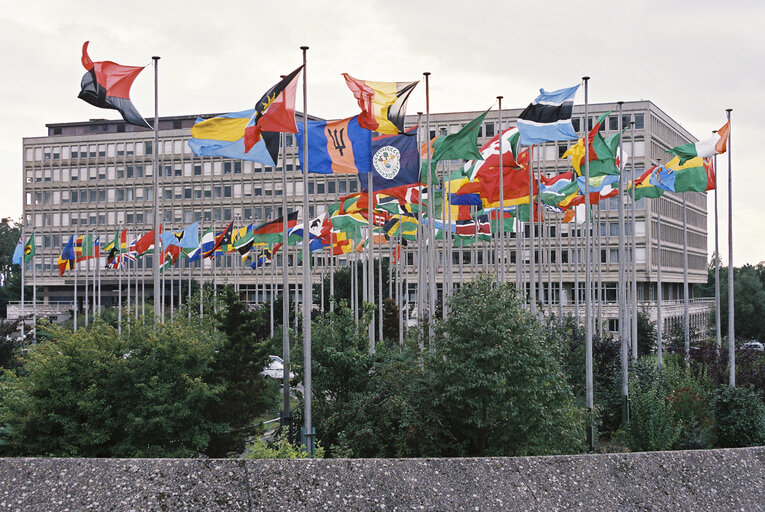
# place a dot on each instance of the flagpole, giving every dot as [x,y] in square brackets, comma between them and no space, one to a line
[188,292]
[731,297]
[420,239]
[560,263]
[686,319]
[578,262]
[87,276]
[272,289]
[532,225]
[34,289]
[540,277]
[599,252]
[718,328]
[587,271]
[448,247]
[98,277]
[380,291]
[370,257]
[624,348]
[331,274]
[431,218]
[286,419]
[23,271]
[127,276]
[501,197]
[76,305]
[634,315]
[659,292]
[94,304]
[307,289]
[155,204]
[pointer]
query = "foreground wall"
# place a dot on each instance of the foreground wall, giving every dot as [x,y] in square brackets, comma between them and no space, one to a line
[693,480]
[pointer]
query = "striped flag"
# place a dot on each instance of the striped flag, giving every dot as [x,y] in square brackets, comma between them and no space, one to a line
[548,117]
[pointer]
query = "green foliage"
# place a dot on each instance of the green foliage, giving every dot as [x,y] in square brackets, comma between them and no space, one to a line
[646,333]
[279,449]
[652,419]
[740,417]
[96,394]
[749,300]
[498,387]
[234,370]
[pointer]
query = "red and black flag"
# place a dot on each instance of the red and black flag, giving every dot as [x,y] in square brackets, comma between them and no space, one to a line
[107,85]
[274,112]
[223,239]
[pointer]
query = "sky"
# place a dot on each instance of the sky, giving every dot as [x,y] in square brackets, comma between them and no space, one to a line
[693,59]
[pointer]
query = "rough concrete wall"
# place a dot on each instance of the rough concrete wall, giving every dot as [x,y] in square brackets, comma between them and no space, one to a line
[692,480]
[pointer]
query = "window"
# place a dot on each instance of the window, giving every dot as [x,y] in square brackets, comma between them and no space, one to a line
[227,191]
[187,193]
[310,187]
[226,167]
[489,129]
[177,125]
[197,169]
[237,167]
[331,187]
[341,186]
[147,148]
[639,121]
[576,123]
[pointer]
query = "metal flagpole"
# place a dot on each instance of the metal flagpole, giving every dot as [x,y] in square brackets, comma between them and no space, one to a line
[501,200]
[76,305]
[659,292]
[272,264]
[94,302]
[432,264]
[518,254]
[307,291]
[370,257]
[390,267]
[286,419]
[532,227]
[379,292]
[201,282]
[560,266]
[355,285]
[633,337]
[718,327]
[623,340]
[127,278]
[599,252]
[156,264]
[540,227]
[587,271]
[686,300]
[731,323]
[34,291]
[87,275]
[577,259]
[23,272]
[446,284]
[98,277]
[331,275]
[420,239]
[188,291]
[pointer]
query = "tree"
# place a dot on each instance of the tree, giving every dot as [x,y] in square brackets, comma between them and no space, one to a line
[498,387]
[646,333]
[235,371]
[94,393]
[749,300]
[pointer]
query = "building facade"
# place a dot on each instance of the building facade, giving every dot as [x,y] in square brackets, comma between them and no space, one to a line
[95,177]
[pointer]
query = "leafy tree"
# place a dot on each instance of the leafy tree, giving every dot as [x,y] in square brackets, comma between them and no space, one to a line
[498,387]
[652,419]
[235,370]
[749,299]
[646,333]
[94,393]
[740,417]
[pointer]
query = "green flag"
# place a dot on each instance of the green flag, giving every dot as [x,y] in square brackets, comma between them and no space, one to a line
[29,249]
[463,144]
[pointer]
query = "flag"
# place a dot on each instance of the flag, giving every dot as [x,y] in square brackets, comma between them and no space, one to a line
[66,259]
[195,254]
[263,257]
[383,104]
[643,186]
[460,145]
[663,178]
[107,85]
[336,147]
[515,185]
[18,252]
[274,112]
[116,247]
[557,188]
[97,247]
[146,243]
[169,257]
[222,239]
[695,175]
[395,162]
[601,187]
[714,145]
[187,238]
[83,248]
[224,136]
[272,231]
[490,154]
[548,117]
[602,152]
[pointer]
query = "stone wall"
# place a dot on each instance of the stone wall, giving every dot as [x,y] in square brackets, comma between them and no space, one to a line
[692,480]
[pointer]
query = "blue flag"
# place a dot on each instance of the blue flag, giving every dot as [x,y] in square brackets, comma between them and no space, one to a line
[336,147]
[395,162]
[663,178]
[187,238]
[224,136]
[18,252]
[548,117]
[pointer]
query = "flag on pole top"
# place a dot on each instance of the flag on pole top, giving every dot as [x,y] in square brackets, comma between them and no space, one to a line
[107,85]
[548,117]
[224,136]
[274,112]
[714,145]
[383,104]
[66,259]
[336,147]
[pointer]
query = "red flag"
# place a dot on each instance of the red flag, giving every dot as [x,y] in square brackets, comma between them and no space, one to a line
[275,112]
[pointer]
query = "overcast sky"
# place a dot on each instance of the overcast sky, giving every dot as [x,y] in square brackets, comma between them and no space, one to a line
[693,59]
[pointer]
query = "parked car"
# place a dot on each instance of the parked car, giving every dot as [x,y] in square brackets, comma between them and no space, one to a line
[275,368]
[753,345]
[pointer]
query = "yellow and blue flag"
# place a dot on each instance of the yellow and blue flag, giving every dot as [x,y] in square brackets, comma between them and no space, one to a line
[336,147]
[224,136]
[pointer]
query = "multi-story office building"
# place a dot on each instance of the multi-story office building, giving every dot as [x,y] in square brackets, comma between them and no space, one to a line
[96,177]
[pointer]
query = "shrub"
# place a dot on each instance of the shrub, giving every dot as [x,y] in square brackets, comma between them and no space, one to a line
[739,416]
[652,420]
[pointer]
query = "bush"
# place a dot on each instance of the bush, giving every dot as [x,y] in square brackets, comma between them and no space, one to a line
[279,449]
[740,417]
[652,421]
[498,386]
